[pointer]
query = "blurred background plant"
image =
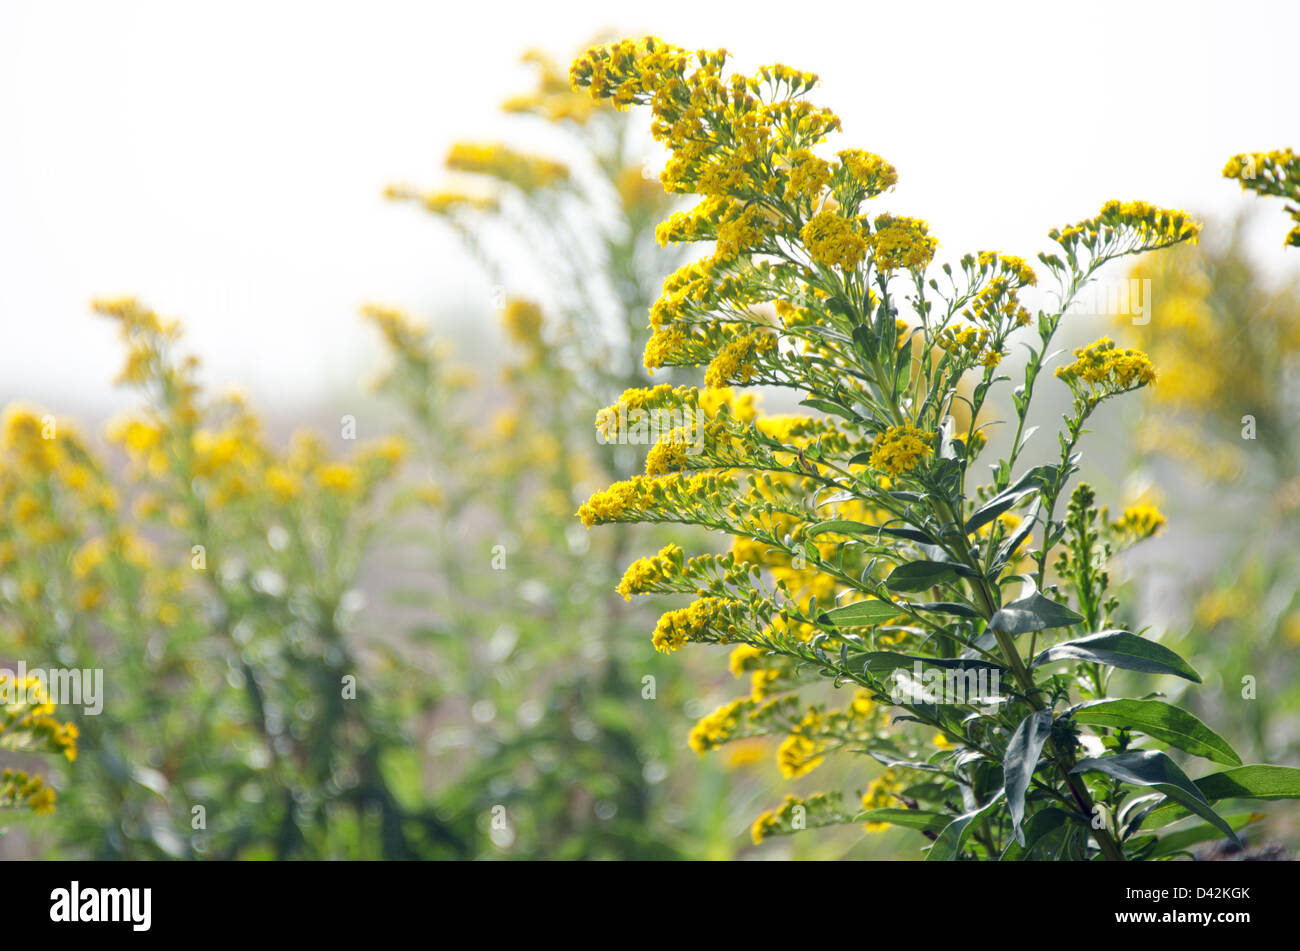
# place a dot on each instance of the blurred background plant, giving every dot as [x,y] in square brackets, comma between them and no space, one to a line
[212,579]
[1219,434]
[570,729]
[314,656]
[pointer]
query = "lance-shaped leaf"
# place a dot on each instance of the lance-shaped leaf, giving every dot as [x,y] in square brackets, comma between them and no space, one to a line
[835,409]
[1161,721]
[1243,782]
[841,526]
[948,846]
[1019,762]
[1186,838]
[999,504]
[919,575]
[860,613]
[1155,769]
[1009,547]
[1120,649]
[1039,829]
[1034,613]
[948,607]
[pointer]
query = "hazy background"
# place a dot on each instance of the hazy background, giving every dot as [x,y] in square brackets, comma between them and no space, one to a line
[225,163]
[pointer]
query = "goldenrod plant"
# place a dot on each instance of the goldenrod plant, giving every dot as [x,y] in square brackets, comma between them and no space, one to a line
[890,594]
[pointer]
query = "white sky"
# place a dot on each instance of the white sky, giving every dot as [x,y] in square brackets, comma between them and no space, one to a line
[225,162]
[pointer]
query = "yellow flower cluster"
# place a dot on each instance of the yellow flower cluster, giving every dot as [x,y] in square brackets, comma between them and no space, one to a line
[834,241]
[523,322]
[771,819]
[801,752]
[644,573]
[718,727]
[881,793]
[900,449]
[868,171]
[1271,173]
[676,628]
[808,175]
[1139,522]
[620,499]
[27,721]
[444,202]
[736,362]
[1128,226]
[553,99]
[738,662]
[1109,368]
[998,301]
[969,342]
[902,243]
[22,790]
[526,172]
[668,454]
[723,135]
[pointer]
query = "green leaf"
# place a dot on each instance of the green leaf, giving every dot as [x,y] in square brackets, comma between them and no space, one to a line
[1040,825]
[996,506]
[909,818]
[1034,613]
[835,409]
[947,607]
[1039,477]
[1244,782]
[842,527]
[948,846]
[919,575]
[1023,531]
[1155,769]
[860,613]
[1020,761]
[1186,838]
[911,534]
[1161,721]
[1121,649]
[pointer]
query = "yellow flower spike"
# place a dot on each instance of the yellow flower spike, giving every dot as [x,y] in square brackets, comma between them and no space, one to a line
[337,477]
[528,173]
[718,727]
[1139,522]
